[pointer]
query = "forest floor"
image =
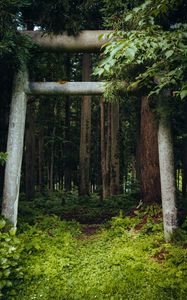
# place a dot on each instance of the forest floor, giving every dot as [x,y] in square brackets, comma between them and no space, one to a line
[125,258]
[68,248]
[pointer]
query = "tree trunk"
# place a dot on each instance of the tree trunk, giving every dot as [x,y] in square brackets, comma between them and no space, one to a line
[114,172]
[41,160]
[149,161]
[108,150]
[104,162]
[30,152]
[137,158]
[166,161]
[15,148]
[4,112]
[184,175]
[52,157]
[67,148]
[85,138]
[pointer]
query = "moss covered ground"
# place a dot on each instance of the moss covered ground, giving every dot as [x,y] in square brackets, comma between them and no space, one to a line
[124,258]
[85,249]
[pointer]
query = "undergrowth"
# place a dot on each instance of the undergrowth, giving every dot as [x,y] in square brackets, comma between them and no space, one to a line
[69,206]
[126,258]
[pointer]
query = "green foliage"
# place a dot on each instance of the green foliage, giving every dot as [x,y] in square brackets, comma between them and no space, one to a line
[10,250]
[121,262]
[112,11]
[148,53]
[146,220]
[59,16]
[70,206]
[3,158]
[14,48]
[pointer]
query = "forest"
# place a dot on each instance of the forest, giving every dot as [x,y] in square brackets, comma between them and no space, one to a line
[93,149]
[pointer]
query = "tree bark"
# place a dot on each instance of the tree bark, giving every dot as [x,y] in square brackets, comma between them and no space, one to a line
[166,161]
[149,161]
[41,160]
[15,148]
[30,161]
[104,162]
[52,156]
[114,172]
[108,150]
[67,148]
[4,112]
[184,175]
[85,138]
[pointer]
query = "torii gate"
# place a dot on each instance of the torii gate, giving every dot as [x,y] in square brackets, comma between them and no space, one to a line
[86,41]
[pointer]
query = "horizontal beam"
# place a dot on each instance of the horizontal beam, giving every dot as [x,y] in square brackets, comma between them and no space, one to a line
[85,41]
[67,88]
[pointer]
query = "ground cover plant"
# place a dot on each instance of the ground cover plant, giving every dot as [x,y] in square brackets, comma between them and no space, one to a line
[10,250]
[124,258]
[70,206]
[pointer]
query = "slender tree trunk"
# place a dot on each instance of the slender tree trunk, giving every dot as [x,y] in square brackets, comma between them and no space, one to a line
[29,25]
[52,157]
[51,170]
[30,152]
[114,172]
[4,112]
[184,177]
[137,159]
[85,138]
[103,151]
[41,161]
[166,161]
[149,161]
[67,148]
[15,148]
[108,150]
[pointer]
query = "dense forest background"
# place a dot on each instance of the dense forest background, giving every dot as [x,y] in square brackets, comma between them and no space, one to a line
[51,157]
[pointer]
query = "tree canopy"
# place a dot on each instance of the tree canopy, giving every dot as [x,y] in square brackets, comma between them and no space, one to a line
[148,48]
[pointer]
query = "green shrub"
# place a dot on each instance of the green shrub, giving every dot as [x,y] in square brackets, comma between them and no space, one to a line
[10,250]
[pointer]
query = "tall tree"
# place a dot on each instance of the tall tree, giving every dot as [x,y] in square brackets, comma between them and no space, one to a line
[67,137]
[104,152]
[40,145]
[114,165]
[184,161]
[85,137]
[149,161]
[30,159]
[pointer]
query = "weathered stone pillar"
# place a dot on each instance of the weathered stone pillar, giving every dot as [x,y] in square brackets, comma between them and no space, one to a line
[15,147]
[167,174]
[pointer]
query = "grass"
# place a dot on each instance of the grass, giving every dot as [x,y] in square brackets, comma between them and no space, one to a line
[125,258]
